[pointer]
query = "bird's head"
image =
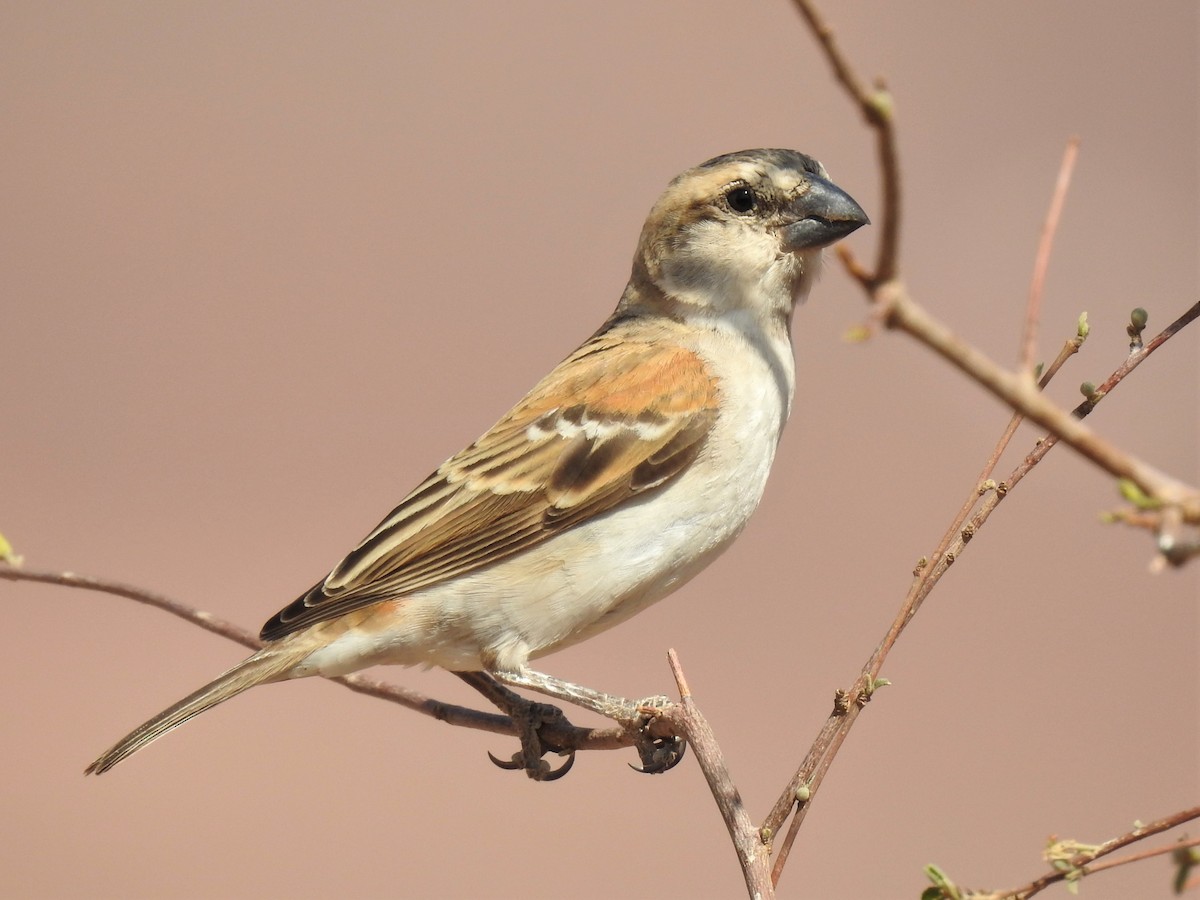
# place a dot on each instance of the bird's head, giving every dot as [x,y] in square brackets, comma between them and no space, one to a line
[743,231]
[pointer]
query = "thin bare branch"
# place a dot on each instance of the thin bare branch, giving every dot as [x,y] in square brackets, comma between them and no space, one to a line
[1077,865]
[560,735]
[1021,394]
[876,107]
[205,620]
[754,856]
[1041,264]
[799,793]
[1119,374]
[1173,847]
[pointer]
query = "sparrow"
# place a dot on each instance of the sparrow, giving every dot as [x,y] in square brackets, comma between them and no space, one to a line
[615,480]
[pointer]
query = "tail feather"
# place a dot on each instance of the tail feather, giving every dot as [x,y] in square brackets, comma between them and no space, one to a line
[269,664]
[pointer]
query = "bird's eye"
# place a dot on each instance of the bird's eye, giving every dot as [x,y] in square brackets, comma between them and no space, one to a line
[741,199]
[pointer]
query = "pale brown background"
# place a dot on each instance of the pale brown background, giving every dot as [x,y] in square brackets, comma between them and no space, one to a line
[263,266]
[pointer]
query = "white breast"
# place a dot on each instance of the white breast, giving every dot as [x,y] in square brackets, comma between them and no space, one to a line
[601,573]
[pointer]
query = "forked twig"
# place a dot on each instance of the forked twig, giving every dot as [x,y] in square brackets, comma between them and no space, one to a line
[1077,865]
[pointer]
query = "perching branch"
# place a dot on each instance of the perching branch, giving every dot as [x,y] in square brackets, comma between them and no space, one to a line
[558,734]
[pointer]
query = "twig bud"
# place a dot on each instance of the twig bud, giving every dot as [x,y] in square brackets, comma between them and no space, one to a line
[1137,324]
[1082,327]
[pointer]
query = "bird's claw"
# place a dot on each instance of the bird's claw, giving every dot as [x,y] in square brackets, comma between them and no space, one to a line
[540,770]
[659,754]
[529,758]
[511,765]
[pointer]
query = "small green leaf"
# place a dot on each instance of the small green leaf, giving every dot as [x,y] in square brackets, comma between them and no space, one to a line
[1135,495]
[943,888]
[1082,327]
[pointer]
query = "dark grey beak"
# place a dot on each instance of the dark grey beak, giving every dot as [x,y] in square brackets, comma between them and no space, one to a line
[824,214]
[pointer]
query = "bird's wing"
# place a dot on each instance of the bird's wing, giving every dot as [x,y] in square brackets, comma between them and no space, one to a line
[616,419]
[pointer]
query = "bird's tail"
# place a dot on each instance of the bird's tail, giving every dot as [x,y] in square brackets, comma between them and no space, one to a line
[272,663]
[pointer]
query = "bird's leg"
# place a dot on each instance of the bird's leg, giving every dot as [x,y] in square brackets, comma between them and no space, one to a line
[658,754]
[618,709]
[527,717]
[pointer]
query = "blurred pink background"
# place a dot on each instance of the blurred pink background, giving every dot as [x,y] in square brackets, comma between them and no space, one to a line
[263,266]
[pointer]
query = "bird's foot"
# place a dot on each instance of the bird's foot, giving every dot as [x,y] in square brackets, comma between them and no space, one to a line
[528,718]
[659,754]
[658,749]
